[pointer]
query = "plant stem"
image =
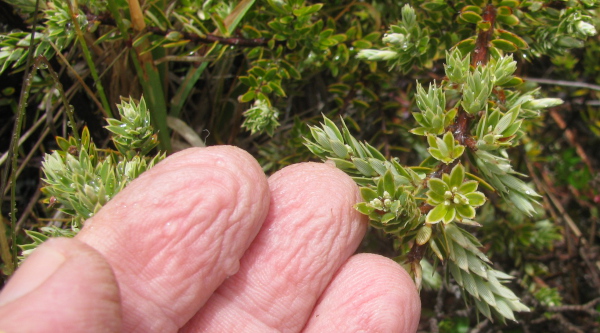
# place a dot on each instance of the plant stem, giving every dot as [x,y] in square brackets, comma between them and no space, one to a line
[90,62]
[68,109]
[481,54]
[150,80]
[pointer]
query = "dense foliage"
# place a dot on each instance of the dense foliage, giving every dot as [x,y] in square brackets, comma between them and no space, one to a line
[425,104]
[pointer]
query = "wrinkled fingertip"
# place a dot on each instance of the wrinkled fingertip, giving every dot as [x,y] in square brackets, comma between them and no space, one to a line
[370,293]
[64,286]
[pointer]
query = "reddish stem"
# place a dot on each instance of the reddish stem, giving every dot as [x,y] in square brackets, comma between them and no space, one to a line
[460,127]
[416,253]
[481,54]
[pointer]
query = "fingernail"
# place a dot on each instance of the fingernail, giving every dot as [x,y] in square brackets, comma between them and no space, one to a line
[36,269]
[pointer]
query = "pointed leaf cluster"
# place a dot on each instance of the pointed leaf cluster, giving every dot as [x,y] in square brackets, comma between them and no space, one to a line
[530,106]
[14,47]
[446,149]
[498,171]
[452,197]
[388,188]
[133,134]
[359,159]
[262,116]
[477,89]
[472,271]
[433,117]
[457,67]
[496,131]
[502,69]
[407,44]
[390,205]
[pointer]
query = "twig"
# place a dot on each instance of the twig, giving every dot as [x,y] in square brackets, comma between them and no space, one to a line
[574,84]
[571,137]
[29,208]
[588,308]
[561,319]
[570,224]
[87,89]
[479,327]
[205,39]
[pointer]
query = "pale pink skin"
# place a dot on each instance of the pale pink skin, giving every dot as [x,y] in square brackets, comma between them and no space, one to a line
[203,242]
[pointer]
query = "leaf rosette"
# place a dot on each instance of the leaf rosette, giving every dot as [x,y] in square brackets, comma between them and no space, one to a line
[452,197]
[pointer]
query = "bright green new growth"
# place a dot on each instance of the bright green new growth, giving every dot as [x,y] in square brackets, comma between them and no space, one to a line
[80,178]
[410,204]
[407,44]
[469,119]
[445,149]
[453,198]
[262,117]
[133,134]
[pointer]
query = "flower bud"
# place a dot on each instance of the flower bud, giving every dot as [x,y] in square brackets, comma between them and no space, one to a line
[371,54]
[394,38]
[586,28]
[543,103]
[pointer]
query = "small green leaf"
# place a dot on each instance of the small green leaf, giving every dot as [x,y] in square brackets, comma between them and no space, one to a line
[509,36]
[436,249]
[360,103]
[515,81]
[468,187]
[504,309]
[308,10]
[509,3]
[388,183]
[465,211]
[373,36]
[363,167]
[449,140]
[340,150]
[249,80]
[466,46]
[511,20]
[438,186]
[504,45]
[423,235]
[476,199]
[436,5]
[138,41]
[364,208]
[470,286]
[457,152]
[362,44]
[434,198]
[368,194]
[471,17]
[484,25]
[436,214]
[419,131]
[276,87]
[450,215]
[457,176]
[437,154]
[387,217]
[332,129]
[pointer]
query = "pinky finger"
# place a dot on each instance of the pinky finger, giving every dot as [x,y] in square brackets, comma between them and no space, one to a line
[369,293]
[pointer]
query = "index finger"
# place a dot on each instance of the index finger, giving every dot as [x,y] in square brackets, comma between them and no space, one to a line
[175,233]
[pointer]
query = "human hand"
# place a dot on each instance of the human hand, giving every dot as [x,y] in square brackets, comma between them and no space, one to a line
[203,242]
